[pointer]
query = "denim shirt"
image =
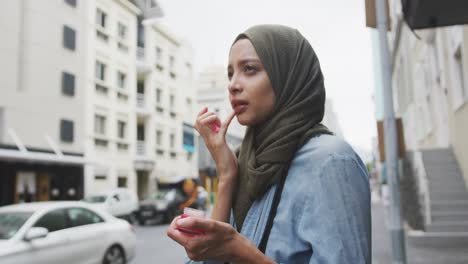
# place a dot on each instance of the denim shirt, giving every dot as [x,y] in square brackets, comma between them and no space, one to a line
[324,213]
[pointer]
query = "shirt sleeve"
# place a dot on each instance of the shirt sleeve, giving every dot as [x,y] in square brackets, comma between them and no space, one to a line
[336,221]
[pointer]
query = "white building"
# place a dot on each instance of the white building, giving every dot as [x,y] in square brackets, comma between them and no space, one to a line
[166,107]
[70,123]
[212,92]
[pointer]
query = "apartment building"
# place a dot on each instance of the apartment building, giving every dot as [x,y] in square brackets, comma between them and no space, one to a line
[74,115]
[165,108]
[212,92]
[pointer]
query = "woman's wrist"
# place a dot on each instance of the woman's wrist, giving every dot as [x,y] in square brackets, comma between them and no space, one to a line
[247,252]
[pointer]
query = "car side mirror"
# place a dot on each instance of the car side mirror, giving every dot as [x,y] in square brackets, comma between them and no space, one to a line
[35,233]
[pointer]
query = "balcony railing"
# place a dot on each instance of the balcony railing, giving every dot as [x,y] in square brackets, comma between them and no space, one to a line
[141,100]
[141,53]
[141,150]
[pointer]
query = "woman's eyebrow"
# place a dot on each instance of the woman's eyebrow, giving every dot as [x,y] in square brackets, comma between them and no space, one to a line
[243,61]
[247,60]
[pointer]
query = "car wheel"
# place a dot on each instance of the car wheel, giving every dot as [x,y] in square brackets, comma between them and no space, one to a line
[114,255]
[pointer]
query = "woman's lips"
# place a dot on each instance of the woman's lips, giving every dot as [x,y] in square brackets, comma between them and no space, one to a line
[239,105]
[240,108]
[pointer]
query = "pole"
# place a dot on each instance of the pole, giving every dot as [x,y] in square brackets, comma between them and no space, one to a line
[391,143]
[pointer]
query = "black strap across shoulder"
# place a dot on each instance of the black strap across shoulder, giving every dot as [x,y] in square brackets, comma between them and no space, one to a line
[271,216]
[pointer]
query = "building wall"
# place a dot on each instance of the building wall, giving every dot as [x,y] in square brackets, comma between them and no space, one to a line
[212,91]
[457,102]
[118,104]
[174,79]
[431,88]
[33,59]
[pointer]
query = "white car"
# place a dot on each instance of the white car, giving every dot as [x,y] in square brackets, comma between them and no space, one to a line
[63,232]
[120,202]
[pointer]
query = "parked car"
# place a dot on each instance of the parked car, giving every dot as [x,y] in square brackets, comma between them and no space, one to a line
[63,232]
[161,206]
[120,202]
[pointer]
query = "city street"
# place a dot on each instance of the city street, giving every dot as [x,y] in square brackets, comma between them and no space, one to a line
[155,247]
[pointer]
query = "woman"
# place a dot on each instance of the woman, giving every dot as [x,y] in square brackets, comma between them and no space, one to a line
[294,193]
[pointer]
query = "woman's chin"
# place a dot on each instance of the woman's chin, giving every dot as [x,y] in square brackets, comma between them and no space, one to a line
[243,120]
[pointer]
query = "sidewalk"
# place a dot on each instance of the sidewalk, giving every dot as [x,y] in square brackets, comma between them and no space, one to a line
[382,250]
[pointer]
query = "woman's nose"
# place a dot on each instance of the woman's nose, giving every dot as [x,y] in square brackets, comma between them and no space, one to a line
[234,86]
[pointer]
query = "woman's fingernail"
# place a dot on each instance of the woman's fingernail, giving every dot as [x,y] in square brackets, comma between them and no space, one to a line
[181,221]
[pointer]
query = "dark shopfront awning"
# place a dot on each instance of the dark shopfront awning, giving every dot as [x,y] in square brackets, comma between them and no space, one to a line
[39,156]
[421,14]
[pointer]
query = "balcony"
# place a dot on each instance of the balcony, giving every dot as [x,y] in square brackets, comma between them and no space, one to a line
[142,108]
[143,161]
[141,150]
[143,67]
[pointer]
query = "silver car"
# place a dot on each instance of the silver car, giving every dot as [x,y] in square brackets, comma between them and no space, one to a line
[63,232]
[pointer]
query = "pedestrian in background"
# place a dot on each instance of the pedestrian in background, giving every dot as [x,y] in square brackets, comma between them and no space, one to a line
[295,193]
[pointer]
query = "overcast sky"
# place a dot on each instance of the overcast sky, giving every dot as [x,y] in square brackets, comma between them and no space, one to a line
[335,28]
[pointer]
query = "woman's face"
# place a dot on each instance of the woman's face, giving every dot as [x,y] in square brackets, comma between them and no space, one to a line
[250,91]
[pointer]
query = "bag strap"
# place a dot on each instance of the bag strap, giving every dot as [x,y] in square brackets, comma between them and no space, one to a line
[271,216]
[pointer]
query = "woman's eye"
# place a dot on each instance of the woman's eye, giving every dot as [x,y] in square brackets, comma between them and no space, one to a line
[250,69]
[229,75]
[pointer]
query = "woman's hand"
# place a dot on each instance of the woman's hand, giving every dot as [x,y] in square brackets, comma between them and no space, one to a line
[213,132]
[220,242]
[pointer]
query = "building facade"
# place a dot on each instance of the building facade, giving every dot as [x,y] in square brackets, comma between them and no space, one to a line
[212,92]
[430,78]
[165,108]
[78,113]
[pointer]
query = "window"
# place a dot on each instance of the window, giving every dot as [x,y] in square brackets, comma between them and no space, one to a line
[172,101]
[122,31]
[188,138]
[81,216]
[172,141]
[122,181]
[69,38]
[66,131]
[189,68]
[158,54]
[100,71]
[141,87]
[158,95]
[53,221]
[99,124]
[121,79]
[171,62]
[101,18]
[71,2]
[100,177]
[68,84]
[158,137]
[121,127]
[140,132]
[461,93]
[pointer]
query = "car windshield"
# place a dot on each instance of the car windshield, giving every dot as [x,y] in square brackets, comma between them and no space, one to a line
[95,199]
[11,222]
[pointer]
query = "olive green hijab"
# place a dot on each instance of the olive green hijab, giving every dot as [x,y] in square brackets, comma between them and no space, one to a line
[268,148]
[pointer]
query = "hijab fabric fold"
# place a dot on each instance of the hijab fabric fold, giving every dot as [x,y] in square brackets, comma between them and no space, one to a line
[268,148]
